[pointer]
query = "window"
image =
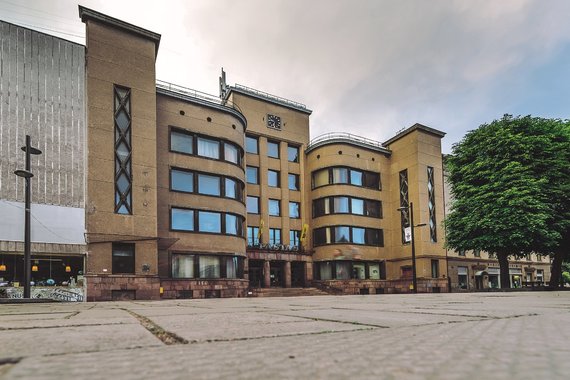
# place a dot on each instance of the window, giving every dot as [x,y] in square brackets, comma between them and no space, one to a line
[181,142]
[209,222]
[252,175]
[462,278]
[343,271]
[123,258]
[325,270]
[341,234]
[294,210]
[435,268]
[251,145]
[345,175]
[477,253]
[273,149]
[182,266]
[205,184]
[405,204]
[233,267]
[208,185]
[540,275]
[209,266]
[294,238]
[233,225]
[181,181]
[347,234]
[374,271]
[182,219]
[273,178]
[274,207]
[252,204]
[123,151]
[340,205]
[431,204]
[252,236]
[359,270]
[231,153]
[275,236]
[293,153]
[185,142]
[293,180]
[347,205]
[461,252]
[208,148]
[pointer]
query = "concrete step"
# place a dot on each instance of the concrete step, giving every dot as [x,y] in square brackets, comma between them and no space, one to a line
[287,292]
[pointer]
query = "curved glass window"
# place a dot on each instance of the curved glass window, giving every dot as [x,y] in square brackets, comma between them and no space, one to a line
[348,234]
[182,219]
[346,176]
[206,266]
[347,205]
[190,220]
[185,142]
[346,269]
[209,222]
[205,184]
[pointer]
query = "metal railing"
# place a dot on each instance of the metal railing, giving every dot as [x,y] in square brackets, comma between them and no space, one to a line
[195,94]
[344,136]
[270,96]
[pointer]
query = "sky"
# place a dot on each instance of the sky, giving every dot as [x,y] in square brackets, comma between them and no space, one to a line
[370,68]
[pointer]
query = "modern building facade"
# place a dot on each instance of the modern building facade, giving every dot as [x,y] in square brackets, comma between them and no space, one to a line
[181,194]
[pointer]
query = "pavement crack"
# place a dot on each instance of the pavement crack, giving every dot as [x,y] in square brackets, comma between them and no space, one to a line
[71,315]
[61,326]
[333,320]
[164,336]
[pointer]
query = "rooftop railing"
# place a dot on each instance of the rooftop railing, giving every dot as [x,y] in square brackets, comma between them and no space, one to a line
[344,136]
[195,94]
[270,96]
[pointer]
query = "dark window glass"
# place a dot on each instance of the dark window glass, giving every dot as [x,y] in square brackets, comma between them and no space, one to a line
[231,153]
[343,271]
[340,175]
[358,235]
[182,219]
[123,258]
[208,185]
[356,178]
[274,207]
[273,149]
[293,182]
[252,236]
[181,142]
[181,181]
[251,145]
[293,153]
[373,208]
[252,204]
[274,236]
[232,225]
[341,234]
[209,222]
[340,205]
[325,270]
[208,148]
[319,207]
[252,174]
[273,178]
[431,204]
[294,237]
[182,266]
[435,268]
[294,210]
[320,236]
[320,178]
[372,180]
[374,237]
[123,151]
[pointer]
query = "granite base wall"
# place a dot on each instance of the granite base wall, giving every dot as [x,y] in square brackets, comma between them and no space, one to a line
[220,288]
[122,287]
[381,286]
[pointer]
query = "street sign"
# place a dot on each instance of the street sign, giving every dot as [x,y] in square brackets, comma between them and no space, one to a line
[407,234]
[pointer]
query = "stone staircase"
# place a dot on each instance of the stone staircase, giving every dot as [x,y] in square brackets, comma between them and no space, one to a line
[286,292]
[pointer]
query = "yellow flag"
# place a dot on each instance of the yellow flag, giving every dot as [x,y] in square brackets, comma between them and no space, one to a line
[304,233]
[260,232]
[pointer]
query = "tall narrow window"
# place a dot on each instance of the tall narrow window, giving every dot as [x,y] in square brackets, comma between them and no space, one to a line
[431,205]
[123,151]
[405,203]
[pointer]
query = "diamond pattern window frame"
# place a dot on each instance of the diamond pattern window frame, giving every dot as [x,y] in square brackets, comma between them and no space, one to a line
[123,151]
[431,204]
[405,203]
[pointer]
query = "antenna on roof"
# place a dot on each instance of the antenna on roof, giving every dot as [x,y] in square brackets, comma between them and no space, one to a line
[223,85]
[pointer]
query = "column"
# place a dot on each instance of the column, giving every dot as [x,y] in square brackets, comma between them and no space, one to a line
[287,274]
[266,274]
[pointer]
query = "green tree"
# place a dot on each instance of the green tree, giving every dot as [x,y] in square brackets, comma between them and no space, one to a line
[510,183]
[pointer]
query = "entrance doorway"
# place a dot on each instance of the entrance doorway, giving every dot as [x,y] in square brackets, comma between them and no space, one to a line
[256,273]
[276,274]
[298,274]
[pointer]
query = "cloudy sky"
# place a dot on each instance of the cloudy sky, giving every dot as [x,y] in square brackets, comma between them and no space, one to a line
[366,67]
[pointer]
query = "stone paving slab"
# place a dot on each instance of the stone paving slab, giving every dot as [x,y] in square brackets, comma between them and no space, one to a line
[459,336]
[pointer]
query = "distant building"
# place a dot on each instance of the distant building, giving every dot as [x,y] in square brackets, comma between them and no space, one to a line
[180,194]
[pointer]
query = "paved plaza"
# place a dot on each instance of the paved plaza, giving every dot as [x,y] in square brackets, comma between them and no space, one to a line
[427,336]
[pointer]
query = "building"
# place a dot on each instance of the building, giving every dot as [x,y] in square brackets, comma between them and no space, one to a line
[188,195]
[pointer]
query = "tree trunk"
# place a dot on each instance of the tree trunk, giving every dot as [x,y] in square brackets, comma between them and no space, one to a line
[556,269]
[504,265]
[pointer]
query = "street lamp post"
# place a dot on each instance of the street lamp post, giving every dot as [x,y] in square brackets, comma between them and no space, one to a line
[27,174]
[412,226]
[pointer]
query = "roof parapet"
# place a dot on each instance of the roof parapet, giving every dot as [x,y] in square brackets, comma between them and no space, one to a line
[347,138]
[414,127]
[89,14]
